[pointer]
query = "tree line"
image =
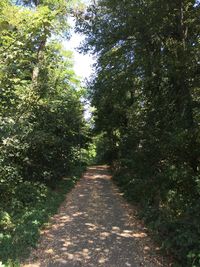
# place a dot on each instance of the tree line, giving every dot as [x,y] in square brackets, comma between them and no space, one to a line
[147,98]
[42,125]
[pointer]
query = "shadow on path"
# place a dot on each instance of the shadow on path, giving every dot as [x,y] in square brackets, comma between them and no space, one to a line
[93,228]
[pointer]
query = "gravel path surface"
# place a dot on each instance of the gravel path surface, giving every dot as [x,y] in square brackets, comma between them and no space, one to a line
[95,227]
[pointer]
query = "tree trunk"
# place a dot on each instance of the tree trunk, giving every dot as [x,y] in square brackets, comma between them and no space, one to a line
[36,69]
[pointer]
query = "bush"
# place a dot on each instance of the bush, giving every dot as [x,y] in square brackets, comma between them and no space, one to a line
[5,220]
[20,230]
[169,206]
[29,193]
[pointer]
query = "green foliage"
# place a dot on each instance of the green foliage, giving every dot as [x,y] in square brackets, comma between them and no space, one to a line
[17,238]
[28,193]
[42,127]
[88,155]
[97,151]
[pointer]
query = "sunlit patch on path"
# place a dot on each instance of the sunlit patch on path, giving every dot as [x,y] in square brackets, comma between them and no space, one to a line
[95,227]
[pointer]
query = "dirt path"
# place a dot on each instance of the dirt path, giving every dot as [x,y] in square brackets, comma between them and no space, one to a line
[95,227]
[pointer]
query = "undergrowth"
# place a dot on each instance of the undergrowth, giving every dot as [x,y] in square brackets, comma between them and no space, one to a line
[173,221]
[19,227]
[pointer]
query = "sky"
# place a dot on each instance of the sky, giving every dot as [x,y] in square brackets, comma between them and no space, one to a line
[82,63]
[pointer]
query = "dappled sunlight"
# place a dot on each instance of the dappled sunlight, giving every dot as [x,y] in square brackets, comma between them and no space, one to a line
[92,229]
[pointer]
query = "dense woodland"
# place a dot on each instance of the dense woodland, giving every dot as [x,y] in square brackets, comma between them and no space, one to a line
[146,94]
[147,98]
[42,127]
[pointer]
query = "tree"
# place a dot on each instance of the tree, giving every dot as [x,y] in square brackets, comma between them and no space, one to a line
[42,127]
